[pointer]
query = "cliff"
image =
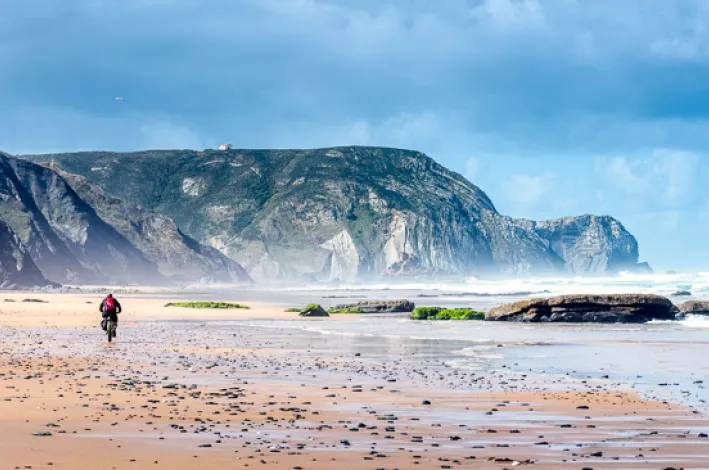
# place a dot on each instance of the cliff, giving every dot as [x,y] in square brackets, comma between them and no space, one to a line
[158,238]
[65,236]
[348,213]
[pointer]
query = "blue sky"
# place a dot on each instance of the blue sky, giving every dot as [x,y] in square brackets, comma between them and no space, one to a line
[554,107]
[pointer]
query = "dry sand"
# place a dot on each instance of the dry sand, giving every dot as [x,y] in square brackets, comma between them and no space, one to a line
[77,310]
[169,396]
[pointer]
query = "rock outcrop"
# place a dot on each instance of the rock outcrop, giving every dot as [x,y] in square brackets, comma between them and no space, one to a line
[314,311]
[618,308]
[589,244]
[349,213]
[682,293]
[694,307]
[386,306]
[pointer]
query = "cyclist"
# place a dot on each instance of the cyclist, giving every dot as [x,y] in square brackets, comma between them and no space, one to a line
[110,308]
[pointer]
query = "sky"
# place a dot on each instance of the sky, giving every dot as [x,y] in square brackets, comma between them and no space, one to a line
[553,107]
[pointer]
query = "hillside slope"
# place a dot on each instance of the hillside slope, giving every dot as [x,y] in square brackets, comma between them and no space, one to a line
[348,213]
[71,243]
[158,237]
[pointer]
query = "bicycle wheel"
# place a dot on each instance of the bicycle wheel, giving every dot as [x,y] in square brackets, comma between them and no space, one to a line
[109,330]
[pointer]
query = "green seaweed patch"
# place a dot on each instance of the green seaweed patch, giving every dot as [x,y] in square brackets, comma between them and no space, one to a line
[345,310]
[440,313]
[294,309]
[423,313]
[314,310]
[205,305]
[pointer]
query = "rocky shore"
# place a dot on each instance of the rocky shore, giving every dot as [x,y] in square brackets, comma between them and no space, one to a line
[387,306]
[694,307]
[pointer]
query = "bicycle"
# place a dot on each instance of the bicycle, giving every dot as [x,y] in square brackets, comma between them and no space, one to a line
[110,329]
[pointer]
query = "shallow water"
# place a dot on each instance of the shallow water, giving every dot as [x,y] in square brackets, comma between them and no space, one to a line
[665,360]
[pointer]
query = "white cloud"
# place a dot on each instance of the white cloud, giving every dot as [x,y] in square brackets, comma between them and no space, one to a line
[685,39]
[527,191]
[665,221]
[166,135]
[410,127]
[666,176]
[625,174]
[472,168]
[678,169]
[405,130]
[511,14]
[704,211]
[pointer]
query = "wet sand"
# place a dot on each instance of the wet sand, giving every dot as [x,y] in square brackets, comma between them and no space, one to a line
[182,389]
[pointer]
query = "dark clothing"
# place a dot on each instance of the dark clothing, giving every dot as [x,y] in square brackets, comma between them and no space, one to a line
[113,316]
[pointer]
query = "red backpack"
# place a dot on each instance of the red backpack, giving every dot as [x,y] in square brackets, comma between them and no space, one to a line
[110,304]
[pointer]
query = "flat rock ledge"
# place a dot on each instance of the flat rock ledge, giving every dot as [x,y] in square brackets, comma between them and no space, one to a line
[388,306]
[694,307]
[617,308]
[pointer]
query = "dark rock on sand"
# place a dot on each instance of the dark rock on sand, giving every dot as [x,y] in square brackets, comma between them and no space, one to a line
[694,307]
[389,306]
[314,311]
[682,293]
[618,308]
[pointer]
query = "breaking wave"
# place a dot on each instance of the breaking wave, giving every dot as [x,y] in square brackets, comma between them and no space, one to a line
[661,284]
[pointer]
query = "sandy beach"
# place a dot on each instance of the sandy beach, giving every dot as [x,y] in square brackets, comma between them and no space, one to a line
[184,388]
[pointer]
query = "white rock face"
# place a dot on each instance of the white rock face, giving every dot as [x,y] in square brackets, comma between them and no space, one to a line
[397,243]
[219,213]
[266,269]
[344,262]
[377,204]
[334,153]
[588,244]
[253,256]
[192,186]
[77,231]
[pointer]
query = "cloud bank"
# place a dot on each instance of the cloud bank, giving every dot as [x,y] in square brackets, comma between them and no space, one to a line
[565,105]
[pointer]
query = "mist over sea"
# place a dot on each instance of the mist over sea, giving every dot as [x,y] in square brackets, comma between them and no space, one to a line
[661,284]
[470,291]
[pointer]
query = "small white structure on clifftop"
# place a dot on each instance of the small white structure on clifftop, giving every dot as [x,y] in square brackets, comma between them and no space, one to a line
[225,147]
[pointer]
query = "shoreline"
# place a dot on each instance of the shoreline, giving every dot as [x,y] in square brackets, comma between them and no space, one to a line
[292,397]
